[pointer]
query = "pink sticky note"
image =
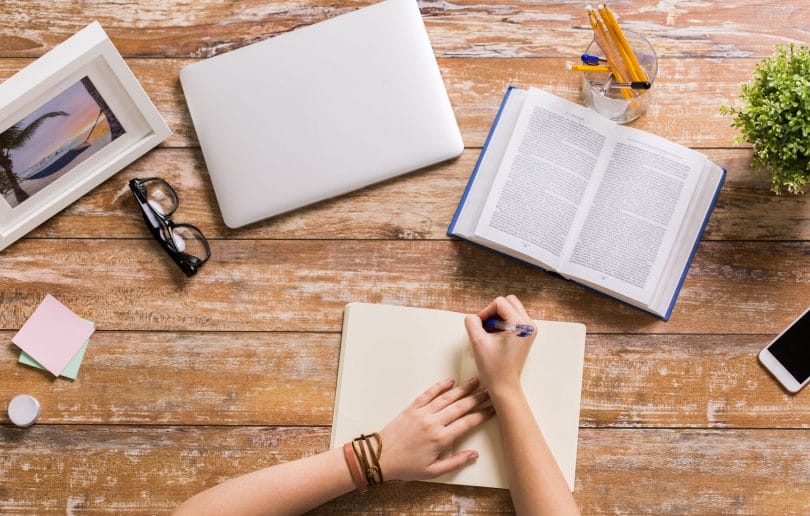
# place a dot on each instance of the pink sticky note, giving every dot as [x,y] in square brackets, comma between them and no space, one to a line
[52,335]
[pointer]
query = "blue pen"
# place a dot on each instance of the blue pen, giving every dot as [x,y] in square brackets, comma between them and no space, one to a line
[589,59]
[493,324]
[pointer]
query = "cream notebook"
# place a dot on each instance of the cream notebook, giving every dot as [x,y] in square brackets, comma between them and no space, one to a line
[391,354]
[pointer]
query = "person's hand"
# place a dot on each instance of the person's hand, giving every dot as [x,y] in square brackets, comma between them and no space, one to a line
[414,441]
[500,356]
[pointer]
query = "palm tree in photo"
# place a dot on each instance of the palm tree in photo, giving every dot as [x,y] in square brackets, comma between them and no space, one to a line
[116,129]
[13,138]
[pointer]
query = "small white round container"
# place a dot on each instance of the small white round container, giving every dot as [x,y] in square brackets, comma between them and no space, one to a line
[23,410]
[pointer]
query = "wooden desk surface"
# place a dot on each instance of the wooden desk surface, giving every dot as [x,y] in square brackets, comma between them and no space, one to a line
[190,381]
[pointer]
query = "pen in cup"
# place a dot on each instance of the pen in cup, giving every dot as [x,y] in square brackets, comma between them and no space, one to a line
[589,59]
[606,86]
[495,325]
[636,85]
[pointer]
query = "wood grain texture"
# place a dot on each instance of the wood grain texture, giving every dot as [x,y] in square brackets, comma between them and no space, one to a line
[192,381]
[737,287]
[415,206]
[150,470]
[499,28]
[257,378]
[248,378]
[705,381]
[685,107]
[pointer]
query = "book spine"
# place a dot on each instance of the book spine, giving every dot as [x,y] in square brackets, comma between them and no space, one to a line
[478,162]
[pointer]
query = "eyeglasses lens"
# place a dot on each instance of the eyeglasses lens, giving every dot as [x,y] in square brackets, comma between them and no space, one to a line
[189,240]
[160,197]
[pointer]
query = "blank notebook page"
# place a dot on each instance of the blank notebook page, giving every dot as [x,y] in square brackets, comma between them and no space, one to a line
[389,355]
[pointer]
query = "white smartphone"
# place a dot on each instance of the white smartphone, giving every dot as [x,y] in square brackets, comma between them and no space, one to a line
[788,356]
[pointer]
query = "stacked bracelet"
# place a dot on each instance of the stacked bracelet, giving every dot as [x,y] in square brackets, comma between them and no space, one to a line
[367,455]
[358,478]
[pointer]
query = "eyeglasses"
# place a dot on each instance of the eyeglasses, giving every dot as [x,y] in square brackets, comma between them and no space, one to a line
[185,243]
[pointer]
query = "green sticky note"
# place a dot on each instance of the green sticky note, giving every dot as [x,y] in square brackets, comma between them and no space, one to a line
[71,370]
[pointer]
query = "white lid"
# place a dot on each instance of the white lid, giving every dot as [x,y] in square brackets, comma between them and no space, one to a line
[23,410]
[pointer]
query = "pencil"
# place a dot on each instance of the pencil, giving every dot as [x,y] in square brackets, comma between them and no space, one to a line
[587,68]
[635,67]
[613,33]
[614,59]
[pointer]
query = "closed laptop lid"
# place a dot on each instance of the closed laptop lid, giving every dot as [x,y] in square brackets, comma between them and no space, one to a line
[320,111]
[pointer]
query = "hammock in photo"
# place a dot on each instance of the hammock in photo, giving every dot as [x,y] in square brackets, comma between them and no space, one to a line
[68,156]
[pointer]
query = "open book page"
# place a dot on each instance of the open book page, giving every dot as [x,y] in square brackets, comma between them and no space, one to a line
[552,382]
[688,235]
[488,162]
[634,215]
[555,148]
[389,355]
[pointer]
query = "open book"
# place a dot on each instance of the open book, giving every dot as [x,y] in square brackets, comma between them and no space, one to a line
[390,354]
[617,209]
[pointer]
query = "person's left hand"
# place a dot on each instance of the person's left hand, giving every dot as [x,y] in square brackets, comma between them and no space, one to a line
[414,440]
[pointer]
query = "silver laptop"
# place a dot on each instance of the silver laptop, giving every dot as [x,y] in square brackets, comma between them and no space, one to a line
[320,111]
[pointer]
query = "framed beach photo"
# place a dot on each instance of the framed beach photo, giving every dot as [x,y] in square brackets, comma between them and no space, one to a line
[69,121]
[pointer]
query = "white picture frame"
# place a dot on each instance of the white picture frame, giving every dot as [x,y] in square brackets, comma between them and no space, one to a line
[45,111]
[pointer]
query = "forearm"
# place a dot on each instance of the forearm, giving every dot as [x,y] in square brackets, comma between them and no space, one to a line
[290,488]
[535,481]
[415,445]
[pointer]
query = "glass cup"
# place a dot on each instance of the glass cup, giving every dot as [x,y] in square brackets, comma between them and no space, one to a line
[609,101]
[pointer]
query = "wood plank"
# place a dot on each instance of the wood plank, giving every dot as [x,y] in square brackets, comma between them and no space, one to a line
[416,206]
[685,107]
[151,470]
[301,285]
[258,378]
[703,381]
[498,28]
[248,378]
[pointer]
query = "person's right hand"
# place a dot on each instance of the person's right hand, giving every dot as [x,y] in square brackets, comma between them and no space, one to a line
[500,356]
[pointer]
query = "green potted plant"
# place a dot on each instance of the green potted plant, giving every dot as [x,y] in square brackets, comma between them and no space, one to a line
[773,115]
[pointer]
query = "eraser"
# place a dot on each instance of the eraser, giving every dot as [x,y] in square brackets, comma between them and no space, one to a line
[23,410]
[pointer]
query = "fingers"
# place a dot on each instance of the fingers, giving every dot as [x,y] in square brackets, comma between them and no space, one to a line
[506,311]
[454,462]
[434,390]
[475,328]
[443,400]
[464,424]
[490,311]
[509,309]
[518,306]
[455,410]
[501,308]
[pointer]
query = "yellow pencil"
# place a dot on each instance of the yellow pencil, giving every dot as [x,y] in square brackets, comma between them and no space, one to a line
[633,64]
[612,55]
[617,42]
[587,68]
